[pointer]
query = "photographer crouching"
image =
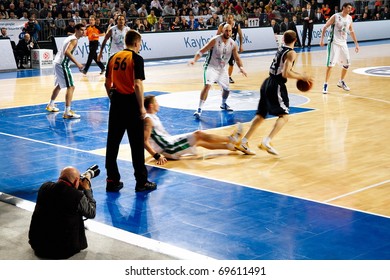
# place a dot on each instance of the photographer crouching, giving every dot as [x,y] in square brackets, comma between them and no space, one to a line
[57,225]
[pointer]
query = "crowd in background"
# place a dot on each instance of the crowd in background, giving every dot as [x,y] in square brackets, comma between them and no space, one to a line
[56,17]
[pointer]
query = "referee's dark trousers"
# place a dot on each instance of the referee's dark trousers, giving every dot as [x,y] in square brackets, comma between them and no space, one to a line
[124,116]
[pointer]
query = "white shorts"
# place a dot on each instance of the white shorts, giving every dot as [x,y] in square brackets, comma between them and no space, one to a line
[177,146]
[220,76]
[62,76]
[338,54]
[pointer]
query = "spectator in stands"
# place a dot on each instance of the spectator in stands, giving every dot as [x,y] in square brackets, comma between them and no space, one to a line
[284,26]
[211,24]
[319,17]
[24,16]
[33,10]
[11,9]
[143,9]
[385,13]
[76,17]
[195,8]
[176,24]
[3,12]
[43,12]
[193,24]
[201,23]
[161,25]
[132,11]
[168,10]
[184,24]
[69,30]
[275,26]
[23,50]
[156,7]
[151,18]
[60,25]
[21,9]
[3,34]
[326,11]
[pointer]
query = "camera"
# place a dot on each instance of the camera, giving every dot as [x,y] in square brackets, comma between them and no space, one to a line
[92,172]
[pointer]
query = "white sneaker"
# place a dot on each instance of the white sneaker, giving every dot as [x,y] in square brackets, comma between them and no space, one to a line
[244,147]
[52,109]
[198,113]
[70,115]
[343,85]
[268,148]
[325,88]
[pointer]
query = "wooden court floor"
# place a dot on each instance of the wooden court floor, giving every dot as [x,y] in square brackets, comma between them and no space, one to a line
[336,154]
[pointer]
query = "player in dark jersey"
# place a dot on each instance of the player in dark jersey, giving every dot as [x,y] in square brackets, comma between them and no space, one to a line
[124,86]
[236,29]
[274,96]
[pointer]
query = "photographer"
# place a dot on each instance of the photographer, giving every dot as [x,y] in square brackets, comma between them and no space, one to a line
[57,225]
[32,27]
[23,49]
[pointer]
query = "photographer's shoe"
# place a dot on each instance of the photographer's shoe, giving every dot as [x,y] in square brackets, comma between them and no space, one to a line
[114,186]
[149,186]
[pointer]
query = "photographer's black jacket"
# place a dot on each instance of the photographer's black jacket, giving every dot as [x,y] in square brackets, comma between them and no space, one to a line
[57,226]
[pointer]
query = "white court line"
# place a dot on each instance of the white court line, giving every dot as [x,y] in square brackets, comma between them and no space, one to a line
[357,191]
[46,143]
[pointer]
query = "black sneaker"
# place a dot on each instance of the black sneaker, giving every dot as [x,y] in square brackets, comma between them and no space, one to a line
[231,81]
[149,186]
[113,186]
[103,71]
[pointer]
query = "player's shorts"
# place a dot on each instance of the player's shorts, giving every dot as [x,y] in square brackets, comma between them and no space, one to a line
[273,98]
[231,60]
[213,75]
[338,54]
[176,146]
[62,76]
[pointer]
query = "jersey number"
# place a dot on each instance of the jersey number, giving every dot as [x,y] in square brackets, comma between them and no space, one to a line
[120,64]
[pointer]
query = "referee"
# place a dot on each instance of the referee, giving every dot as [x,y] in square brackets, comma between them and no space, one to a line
[124,86]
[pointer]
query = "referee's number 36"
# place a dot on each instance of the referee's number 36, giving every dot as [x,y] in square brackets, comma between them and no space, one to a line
[120,64]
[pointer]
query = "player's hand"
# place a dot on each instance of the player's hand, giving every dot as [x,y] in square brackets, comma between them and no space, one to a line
[243,72]
[162,160]
[191,62]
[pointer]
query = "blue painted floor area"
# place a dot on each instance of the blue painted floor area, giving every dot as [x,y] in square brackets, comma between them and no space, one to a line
[217,219]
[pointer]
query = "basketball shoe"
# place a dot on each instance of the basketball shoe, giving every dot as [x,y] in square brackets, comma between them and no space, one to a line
[343,85]
[266,146]
[52,109]
[70,115]
[198,113]
[244,147]
[225,107]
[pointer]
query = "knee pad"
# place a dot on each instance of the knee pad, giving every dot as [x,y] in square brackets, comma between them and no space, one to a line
[345,67]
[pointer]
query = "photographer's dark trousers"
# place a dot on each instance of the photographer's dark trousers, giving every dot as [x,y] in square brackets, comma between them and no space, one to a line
[124,116]
[93,46]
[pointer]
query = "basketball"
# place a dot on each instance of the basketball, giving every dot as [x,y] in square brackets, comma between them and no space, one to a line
[303,86]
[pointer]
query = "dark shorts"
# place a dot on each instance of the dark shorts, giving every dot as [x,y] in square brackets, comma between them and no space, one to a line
[273,98]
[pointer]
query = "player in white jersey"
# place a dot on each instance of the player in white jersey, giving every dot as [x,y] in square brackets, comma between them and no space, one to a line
[116,34]
[62,73]
[341,27]
[161,145]
[220,48]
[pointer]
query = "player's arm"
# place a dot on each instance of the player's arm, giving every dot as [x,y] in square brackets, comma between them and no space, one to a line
[148,126]
[326,26]
[106,38]
[238,60]
[203,50]
[288,71]
[68,52]
[239,31]
[353,36]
